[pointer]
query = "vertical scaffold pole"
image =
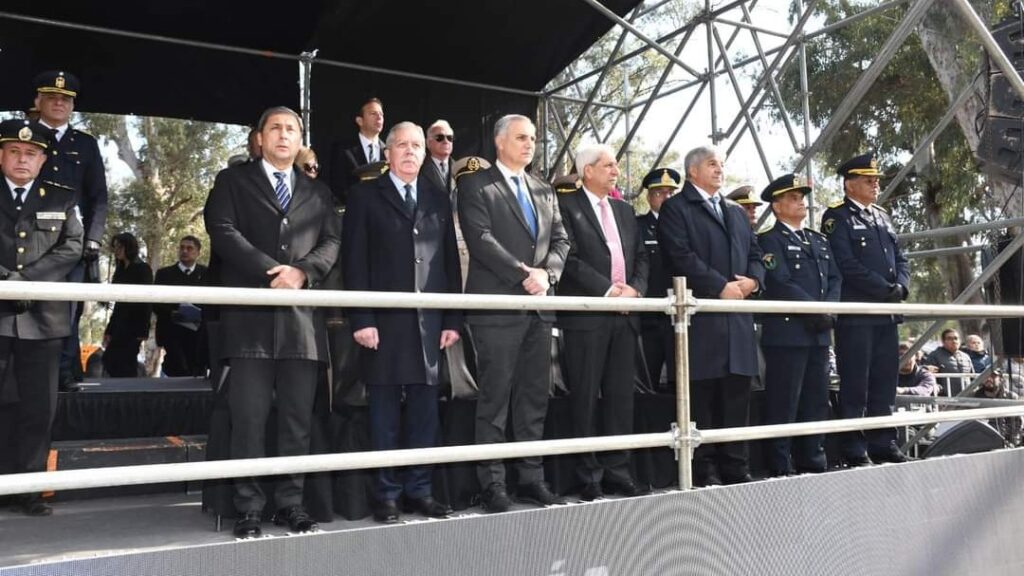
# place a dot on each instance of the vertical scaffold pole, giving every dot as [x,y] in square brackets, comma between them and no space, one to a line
[681,321]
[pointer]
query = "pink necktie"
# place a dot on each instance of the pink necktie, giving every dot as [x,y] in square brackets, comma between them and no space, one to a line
[611,236]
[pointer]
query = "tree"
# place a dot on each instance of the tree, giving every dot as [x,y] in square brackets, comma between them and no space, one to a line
[171,165]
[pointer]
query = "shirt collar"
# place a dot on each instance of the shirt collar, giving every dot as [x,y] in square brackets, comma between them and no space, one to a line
[594,199]
[186,269]
[270,169]
[12,186]
[366,142]
[707,195]
[857,204]
[508,173]
[401,185]
[791,229]
[59,129]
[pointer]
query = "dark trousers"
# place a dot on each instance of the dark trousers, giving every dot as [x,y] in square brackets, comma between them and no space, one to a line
[391,429]
[659,350]
[254,386]
[596,364]
[867,358]
[183,352]
[796,390]
[514,376]
[71,350]
[32,367]
[121,357]
[720,403]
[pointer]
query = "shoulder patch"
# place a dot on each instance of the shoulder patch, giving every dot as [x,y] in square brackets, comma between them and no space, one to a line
[58,185]
[828,225]
[837,203]
[769,261]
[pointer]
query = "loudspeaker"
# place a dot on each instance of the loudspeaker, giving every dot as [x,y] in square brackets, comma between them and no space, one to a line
[1003,101]
[967,437]
[1011,293]
[1011,41]
[1001,149]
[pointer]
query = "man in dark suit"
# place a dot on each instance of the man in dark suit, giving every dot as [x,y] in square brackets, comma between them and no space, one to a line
[40,240]
[73,160]
[606,259]
[438,164]
[798,266]
[178,326]
[656,327]
[708,239]
[399,236]
[517,245]
[272,227]
[874,269]
[347,157]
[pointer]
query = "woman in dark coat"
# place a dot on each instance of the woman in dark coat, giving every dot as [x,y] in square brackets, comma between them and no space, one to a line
[129,324]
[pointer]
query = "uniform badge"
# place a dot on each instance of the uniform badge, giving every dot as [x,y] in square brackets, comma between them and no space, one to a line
[769,261]
[473,164]
[25,134]
[828,226]
[59,82]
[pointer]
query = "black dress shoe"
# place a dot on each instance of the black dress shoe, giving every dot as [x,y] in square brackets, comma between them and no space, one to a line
[495,499]
[781,473]
[858,460]
[705,480]
[297,519]
[591,491]
[386,512]
[894,455]
[32,506]
[248,526]
[427,506]
[624,488]
[538,493]
[741,479]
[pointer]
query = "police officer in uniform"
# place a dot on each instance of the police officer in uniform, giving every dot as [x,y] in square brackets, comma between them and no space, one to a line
[73,160]
[747,198]
[874,269]
[40,241]
[798,266]
[655,327]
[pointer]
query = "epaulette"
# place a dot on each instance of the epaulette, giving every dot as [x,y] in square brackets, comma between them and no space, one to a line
[816,233]
[837,203]
[58,185]
[80,131]
[765,230]
[880,208]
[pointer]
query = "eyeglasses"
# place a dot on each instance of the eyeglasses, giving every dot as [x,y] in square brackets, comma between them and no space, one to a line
[443,137]
[313,168]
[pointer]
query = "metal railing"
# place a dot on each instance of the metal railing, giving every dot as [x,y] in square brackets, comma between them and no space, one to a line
[683,439]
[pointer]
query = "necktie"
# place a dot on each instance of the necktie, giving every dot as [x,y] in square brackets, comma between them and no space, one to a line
[410,202]
[369,153]
[284,196]
[800,235]
[716,207]
[19,198]
[444,172]
[526,207]
[611,237]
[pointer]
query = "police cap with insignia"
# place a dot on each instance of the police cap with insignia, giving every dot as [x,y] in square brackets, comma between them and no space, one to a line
[566,184]
[863,165]
[744,196]
[370,171]
[25,131]
[662,178]
[783,184]
[57,82]
[468,165]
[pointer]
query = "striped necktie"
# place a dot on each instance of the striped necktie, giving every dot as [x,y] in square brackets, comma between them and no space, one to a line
[284,196]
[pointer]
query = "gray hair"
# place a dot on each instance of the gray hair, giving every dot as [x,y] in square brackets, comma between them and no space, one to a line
[699,154]
[589,154]
[278,110]
[502,124]
[402,126]
[440,124]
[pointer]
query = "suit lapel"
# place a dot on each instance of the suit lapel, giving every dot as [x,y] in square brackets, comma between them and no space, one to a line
[427,198]
[260,180]
[392,196]
[7,200]
[587,208]
[697,197]
[498,181]
[32,198]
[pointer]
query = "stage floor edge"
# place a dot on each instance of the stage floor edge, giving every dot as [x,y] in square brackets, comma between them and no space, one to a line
[952,515]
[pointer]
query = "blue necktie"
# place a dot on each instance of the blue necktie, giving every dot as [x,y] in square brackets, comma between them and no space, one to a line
[410,202]
[284,197]
[716,208]
[526,207]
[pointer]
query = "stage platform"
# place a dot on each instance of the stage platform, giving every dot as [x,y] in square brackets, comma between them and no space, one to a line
[951,515]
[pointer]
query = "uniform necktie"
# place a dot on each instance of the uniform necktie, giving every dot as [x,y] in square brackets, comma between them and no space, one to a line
[410,202]
[800,235]
[369,153]
[19,198]
[611,237]
[284,196]
[526,207]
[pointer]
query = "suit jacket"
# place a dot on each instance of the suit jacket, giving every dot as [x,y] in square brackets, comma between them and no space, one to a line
[345,158]
[130,320]
[250,234]
[709,252]
[499,240]
[431,171]
[868,254]
[173,276]
[589,262]
[49,233]
[389,250]
[75,162]
[795,270]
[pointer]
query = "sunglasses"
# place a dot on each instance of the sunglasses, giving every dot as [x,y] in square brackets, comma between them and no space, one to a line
[443,137]
[311,168]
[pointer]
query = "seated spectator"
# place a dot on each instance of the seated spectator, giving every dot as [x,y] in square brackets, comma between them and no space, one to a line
[913,379]
[306,161]
[975,349]
[948,359]
[129,323]
[994,387]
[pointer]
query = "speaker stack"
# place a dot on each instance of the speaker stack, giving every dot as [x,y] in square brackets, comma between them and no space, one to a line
[1001,150]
